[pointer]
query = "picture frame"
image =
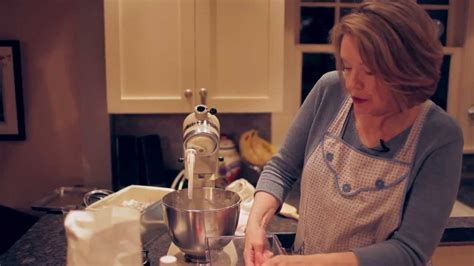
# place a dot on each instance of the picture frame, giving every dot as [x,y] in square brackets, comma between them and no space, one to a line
[12,121]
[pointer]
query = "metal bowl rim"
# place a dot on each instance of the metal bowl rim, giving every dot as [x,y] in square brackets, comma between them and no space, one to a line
[210,210]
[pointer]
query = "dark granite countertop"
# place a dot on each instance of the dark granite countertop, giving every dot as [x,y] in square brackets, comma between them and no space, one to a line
[45,242]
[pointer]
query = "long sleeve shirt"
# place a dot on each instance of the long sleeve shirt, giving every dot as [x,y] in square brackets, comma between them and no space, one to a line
[433,181]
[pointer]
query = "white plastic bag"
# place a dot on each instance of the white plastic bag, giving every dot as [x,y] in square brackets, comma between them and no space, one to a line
[108,236]
[245,191]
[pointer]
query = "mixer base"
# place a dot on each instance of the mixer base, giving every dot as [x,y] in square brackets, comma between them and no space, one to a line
[197,260]
[228,256]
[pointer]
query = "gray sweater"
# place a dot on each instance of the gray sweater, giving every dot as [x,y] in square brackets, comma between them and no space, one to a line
[433,183]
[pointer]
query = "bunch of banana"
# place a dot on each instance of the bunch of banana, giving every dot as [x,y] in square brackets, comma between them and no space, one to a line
[254,149]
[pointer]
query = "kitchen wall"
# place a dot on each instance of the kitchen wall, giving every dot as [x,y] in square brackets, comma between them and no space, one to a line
[67,127]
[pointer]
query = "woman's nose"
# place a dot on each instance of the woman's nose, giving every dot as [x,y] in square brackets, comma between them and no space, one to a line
[354,80]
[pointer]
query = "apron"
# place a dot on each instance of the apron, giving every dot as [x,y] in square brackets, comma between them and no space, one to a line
[351,199]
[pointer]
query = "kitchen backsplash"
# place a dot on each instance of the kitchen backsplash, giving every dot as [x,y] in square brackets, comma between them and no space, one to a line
[169,128]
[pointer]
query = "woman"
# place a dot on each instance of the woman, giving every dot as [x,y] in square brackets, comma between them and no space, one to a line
[379,162]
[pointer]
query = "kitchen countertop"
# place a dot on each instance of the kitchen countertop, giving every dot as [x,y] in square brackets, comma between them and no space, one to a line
[45,242]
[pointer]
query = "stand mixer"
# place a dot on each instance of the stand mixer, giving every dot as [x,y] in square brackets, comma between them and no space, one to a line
[201,134]
[201,211]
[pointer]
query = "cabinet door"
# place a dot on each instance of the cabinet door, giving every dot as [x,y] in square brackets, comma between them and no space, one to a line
[239,54]
[149,55]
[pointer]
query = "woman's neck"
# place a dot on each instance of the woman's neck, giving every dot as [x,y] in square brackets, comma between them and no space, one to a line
[373,128]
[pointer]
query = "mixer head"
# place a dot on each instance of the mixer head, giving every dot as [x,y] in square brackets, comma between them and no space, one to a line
[201,138]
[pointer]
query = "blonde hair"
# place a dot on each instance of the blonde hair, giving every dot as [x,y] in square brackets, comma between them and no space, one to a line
[398,42]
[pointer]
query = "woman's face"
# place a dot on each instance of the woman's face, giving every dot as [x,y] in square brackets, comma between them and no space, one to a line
[369,94]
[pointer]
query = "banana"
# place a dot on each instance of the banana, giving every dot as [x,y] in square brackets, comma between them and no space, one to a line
[247,150]
[260,148]
[263,148]
[254,149]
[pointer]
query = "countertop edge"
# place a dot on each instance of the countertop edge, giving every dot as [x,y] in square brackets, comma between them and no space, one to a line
[459,230]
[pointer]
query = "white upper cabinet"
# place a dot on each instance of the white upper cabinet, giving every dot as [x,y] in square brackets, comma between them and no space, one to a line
[165,56]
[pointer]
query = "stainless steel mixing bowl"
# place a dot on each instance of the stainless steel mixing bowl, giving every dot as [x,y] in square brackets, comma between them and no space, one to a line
[211,212]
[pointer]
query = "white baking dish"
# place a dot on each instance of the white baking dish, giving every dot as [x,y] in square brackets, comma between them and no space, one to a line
[151,216]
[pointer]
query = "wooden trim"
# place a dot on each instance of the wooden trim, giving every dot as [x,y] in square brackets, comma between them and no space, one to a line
[296,20]
[332,5]
[112,54]
[276,51]
[435,7]
[468,150]
[315,48]
[353,5]
[337,15]
[328,48]
[457,18]
[454,81]
[281,121]
[449,29]
[451,50]
[466,100]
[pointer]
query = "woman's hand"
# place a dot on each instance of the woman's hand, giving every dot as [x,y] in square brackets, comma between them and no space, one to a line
[283,260]
[263,209]
[255,252]
[328,259]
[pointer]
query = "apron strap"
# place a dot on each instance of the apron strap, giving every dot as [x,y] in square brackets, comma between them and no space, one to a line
[407,153]
[336,126]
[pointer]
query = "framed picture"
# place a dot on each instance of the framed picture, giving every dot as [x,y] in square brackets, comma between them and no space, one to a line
[12,122]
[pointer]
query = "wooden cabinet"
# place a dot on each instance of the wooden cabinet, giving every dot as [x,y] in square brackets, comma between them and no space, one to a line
[156,50]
